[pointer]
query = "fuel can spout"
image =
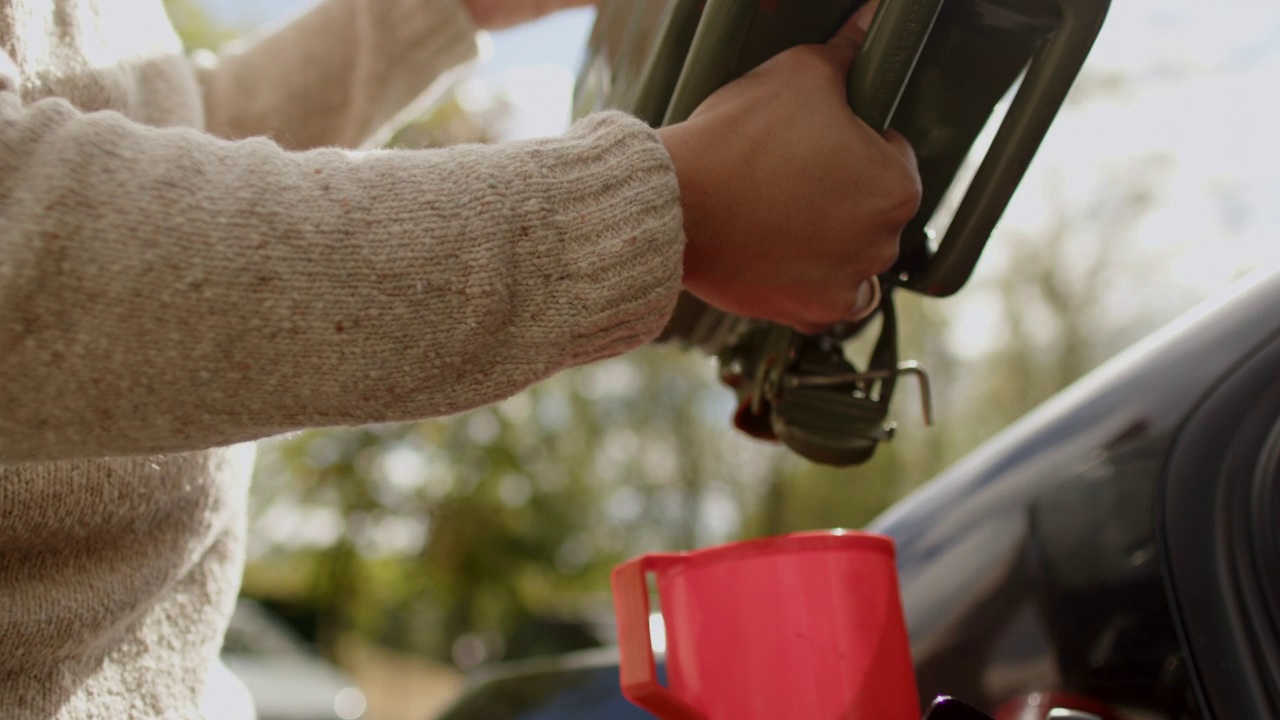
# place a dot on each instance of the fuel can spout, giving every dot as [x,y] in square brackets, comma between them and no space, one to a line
[938,72]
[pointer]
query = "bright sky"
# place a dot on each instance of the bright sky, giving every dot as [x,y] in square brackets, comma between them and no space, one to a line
[1201,86]
[534,65]
[1198,111]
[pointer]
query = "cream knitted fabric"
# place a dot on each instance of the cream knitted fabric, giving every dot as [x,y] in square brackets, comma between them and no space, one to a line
[163,291]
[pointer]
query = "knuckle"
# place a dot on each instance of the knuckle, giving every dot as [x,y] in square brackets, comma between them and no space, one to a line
[882,256]
[829,306]
[905,195]
[840,301]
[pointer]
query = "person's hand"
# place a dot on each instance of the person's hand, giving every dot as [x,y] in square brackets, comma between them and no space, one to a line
[498,14]
[791,204]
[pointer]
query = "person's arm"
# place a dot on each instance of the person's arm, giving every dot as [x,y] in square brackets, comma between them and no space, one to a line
[163,290]
[338,75]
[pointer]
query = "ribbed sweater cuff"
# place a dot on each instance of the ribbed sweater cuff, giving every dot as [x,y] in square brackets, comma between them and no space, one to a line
[616,204]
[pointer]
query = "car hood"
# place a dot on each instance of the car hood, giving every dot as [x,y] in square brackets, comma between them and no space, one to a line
[284,688]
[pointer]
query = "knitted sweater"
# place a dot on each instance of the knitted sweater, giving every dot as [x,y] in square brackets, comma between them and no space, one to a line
[164,291]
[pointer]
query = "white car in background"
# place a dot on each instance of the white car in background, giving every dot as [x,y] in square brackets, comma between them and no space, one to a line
[267,672]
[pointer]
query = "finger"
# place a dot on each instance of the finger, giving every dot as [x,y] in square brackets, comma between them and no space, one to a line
[854,306]
[899,145]
[805,328]
[849,38]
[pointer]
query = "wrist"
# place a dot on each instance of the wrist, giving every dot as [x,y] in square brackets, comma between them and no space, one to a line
[677,143]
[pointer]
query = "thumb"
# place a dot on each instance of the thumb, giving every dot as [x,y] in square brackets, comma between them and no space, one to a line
[849,38]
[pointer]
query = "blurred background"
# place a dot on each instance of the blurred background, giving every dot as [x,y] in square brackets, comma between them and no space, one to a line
[404,557]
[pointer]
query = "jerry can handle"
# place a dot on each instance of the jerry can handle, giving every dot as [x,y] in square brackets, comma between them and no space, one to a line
[637,669]
[895,38]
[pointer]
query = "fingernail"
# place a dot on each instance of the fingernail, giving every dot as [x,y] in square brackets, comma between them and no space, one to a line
[862,18]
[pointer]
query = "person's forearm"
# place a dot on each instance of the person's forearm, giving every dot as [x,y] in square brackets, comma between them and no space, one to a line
[336,75]
[163,290]
[498,14]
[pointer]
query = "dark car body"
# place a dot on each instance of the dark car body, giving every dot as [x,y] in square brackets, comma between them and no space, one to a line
[1116,550]
[1119,545]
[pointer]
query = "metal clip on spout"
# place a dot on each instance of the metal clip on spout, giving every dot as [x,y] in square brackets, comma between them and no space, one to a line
[804,391]
[910,367]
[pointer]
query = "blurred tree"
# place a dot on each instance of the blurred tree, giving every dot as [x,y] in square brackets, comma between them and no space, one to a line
[473,112]
[197,30]
[426,536]
[1066,300]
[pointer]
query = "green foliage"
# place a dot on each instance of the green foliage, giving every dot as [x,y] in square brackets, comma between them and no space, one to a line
[421,534]
[194,26]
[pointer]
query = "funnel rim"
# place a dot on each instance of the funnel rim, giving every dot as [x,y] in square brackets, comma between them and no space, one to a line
[808,541]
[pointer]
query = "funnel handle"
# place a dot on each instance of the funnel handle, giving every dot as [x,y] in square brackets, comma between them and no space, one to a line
[637,669]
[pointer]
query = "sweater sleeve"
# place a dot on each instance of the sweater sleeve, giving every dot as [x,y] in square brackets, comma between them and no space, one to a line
[165,290]
[340,74]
